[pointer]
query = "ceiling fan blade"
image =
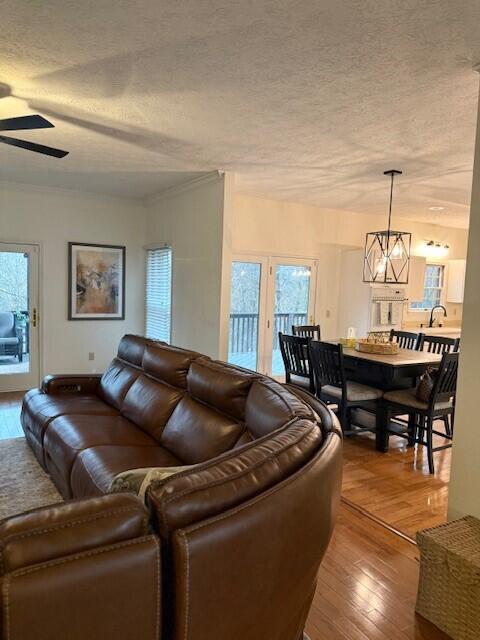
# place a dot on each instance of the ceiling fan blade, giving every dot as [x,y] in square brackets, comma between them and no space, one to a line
[25,122]
[33,146]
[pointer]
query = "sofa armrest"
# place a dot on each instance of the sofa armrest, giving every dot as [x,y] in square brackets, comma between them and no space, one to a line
[74,383]
[84,569]
[71,527]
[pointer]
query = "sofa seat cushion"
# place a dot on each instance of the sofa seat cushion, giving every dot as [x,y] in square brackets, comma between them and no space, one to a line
[41,408]
[195,432]
[66,436]
[95,468]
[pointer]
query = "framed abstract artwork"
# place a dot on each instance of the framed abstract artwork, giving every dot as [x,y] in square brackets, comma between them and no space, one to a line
[96,282]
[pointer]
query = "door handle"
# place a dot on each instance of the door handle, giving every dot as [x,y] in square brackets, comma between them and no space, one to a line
[34,318]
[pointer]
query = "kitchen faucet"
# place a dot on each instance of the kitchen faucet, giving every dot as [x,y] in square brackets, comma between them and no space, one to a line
[432,319]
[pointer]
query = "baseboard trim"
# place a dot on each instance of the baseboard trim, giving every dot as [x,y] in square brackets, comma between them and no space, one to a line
[382,523]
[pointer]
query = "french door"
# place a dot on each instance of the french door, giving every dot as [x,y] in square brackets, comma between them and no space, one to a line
[19,319]
[268,296]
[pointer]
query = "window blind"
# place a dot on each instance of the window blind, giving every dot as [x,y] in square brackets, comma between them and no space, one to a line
[158,298]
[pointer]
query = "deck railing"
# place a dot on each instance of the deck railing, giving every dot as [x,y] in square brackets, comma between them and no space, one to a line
[243,335]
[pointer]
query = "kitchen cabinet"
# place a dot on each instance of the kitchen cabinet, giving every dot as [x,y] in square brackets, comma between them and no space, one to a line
[456,280]
[416,278]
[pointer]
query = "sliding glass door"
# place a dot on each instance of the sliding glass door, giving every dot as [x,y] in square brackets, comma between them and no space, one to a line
[268,296]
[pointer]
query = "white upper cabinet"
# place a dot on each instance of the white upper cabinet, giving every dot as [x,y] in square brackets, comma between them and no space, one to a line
[416,279]
[456,280]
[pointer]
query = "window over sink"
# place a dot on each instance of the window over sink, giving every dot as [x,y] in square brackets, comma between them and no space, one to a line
[433,288]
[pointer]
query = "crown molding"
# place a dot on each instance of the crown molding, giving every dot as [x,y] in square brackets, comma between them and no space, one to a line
[12,185]
[183,187]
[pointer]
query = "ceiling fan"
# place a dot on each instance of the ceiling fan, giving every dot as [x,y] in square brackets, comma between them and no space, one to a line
[29,122]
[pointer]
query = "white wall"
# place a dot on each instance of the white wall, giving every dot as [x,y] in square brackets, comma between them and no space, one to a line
[190,218]
[286,228]
[53,218]
[465,474]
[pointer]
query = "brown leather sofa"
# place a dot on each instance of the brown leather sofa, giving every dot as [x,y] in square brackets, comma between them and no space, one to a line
[242,533]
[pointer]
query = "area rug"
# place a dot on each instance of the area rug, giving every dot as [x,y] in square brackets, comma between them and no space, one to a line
[23,483]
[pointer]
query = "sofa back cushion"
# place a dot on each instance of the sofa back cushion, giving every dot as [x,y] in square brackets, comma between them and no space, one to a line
[238,476]
[131,349]
[220,386]
[116,381]
[123,370]
[149,404]
[195,433]
[270,405]
[168,364]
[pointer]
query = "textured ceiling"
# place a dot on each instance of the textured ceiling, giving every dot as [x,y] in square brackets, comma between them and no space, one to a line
[306,100]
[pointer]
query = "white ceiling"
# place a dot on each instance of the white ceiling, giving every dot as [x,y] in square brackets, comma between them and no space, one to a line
[307,100]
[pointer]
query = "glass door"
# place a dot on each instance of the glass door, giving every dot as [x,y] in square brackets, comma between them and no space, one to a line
[246,330]
[291,301]
[19,345]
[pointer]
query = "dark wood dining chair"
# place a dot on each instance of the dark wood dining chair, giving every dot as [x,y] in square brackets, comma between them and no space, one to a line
[439,344]
[423,414]
[406,339]
[332,386]
[296,360]
[307,331]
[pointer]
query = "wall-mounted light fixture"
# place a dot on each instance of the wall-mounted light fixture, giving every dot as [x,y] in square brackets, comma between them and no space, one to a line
[434,249]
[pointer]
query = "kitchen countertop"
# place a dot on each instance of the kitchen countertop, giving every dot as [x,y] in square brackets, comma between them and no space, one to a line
[452,332]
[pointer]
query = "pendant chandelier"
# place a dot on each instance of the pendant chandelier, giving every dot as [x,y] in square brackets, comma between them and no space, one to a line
[387,253]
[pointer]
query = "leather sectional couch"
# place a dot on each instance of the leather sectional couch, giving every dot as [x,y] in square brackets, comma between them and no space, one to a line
[229,548]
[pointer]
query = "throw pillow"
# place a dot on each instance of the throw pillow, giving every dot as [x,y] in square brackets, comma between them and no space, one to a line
[138,480]
[426,384]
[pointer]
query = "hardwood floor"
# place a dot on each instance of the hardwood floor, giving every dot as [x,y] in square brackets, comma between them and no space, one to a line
[10,405]
[396,486]
[367,586]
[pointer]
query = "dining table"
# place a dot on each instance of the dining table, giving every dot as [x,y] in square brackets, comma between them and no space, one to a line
[388,373]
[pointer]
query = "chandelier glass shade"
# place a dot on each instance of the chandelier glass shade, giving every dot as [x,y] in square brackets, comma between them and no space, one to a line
[387,253]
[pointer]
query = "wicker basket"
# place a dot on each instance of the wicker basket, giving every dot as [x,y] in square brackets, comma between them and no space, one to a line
[381,348]
[449,587]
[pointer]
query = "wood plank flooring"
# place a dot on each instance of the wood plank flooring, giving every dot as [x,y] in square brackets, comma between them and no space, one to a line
[396,487]
[367,586]
[10,405]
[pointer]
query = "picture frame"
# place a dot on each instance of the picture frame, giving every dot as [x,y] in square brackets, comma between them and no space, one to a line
[96,281]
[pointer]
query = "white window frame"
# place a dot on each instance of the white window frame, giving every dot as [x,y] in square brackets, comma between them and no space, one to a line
[442,288]
[157,247]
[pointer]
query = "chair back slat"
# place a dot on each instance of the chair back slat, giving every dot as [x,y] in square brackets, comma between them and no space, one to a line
[307,331]
[327,364]
[440,344]
[295,354]
[445,386]
[406,339]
